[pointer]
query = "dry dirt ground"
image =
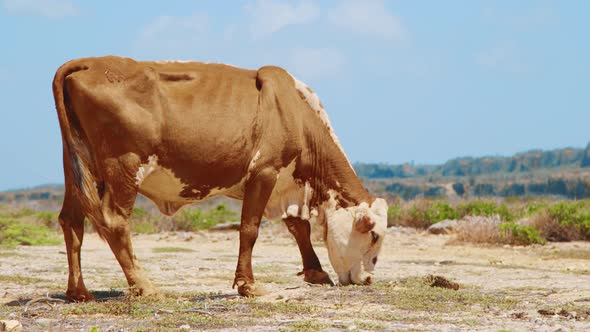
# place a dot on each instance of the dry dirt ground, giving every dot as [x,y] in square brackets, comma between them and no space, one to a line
[538,288]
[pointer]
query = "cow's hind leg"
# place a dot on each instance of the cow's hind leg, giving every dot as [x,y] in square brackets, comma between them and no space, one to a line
[312,268]
[117,204]
[71,219]
[258,190]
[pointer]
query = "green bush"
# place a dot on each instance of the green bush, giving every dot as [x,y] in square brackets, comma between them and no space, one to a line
[13,233]
[423,213]
[143,222]
[514,233]
[573,214]
[533,207]
[22,212]
[196,219]
[485,209]
[48,218]
[394,213]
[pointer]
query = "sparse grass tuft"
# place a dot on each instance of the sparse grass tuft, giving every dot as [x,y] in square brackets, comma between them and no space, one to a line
[18,279]
[262,309]
[159,250]
[304,326]
[417,295]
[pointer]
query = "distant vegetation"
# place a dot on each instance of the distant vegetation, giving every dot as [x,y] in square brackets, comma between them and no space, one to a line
[563,172]
[512,221]
[521,199]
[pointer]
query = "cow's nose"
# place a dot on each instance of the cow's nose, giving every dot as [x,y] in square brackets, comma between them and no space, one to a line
[368,281]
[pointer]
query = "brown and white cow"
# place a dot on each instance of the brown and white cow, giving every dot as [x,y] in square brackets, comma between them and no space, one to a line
[180,132]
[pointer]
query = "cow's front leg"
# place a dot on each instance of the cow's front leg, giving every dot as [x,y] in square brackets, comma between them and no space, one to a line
[257,193]
[312,268]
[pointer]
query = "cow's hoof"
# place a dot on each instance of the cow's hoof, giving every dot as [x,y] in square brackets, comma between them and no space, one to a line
[79,296]
[144,291]
[317,277]
[250,289]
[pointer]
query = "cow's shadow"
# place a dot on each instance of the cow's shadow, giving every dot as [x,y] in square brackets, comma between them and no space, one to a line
[100,296]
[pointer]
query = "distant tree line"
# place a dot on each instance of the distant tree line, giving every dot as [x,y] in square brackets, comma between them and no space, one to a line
[468,166]
[573,188]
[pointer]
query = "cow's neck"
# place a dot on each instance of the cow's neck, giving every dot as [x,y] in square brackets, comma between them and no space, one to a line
[331,172]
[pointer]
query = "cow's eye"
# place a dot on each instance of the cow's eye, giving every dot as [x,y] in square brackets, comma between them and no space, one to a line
[374,237]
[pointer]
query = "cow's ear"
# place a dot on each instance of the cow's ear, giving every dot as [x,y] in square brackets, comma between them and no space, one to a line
[364,224]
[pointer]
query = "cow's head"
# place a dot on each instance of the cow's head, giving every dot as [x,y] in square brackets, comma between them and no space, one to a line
[354,236]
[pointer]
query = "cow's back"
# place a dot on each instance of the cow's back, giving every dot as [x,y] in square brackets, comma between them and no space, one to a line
[192,123]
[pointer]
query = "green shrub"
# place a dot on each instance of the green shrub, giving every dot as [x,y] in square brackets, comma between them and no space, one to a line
[485,209]
[514,233]
[138,213]
[572,214]
[533,207]
[13,233]
[196,219]
[22,212]
[48,218]
[423,213]
[142,222]
[394,213]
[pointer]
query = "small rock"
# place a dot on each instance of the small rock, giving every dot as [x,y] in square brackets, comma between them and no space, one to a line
[518,315]
[438,281]
[185,327]
[442,227]
[351,327]
[544,312]
[11,326]
[564,313]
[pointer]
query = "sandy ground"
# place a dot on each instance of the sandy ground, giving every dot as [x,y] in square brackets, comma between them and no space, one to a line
[550,277]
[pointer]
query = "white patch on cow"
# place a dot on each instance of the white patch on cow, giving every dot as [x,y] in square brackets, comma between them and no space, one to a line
[350,251]
[307,192]
[159,182]
[146,169]
[314,102]
[253,161]
[314,213]
[293,210]
[289,198]
[173,61]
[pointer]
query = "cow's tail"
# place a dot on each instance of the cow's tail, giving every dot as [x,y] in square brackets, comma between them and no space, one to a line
[78,162]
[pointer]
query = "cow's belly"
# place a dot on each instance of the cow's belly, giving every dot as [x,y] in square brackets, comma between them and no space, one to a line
[170,193]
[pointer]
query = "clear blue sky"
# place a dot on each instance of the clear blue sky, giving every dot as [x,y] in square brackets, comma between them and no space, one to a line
[421,81]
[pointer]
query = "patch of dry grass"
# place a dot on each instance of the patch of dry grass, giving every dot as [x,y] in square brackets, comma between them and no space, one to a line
[19,280]
[493,231]
[416,294]
[478,230]
[160,250]
[568,254]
